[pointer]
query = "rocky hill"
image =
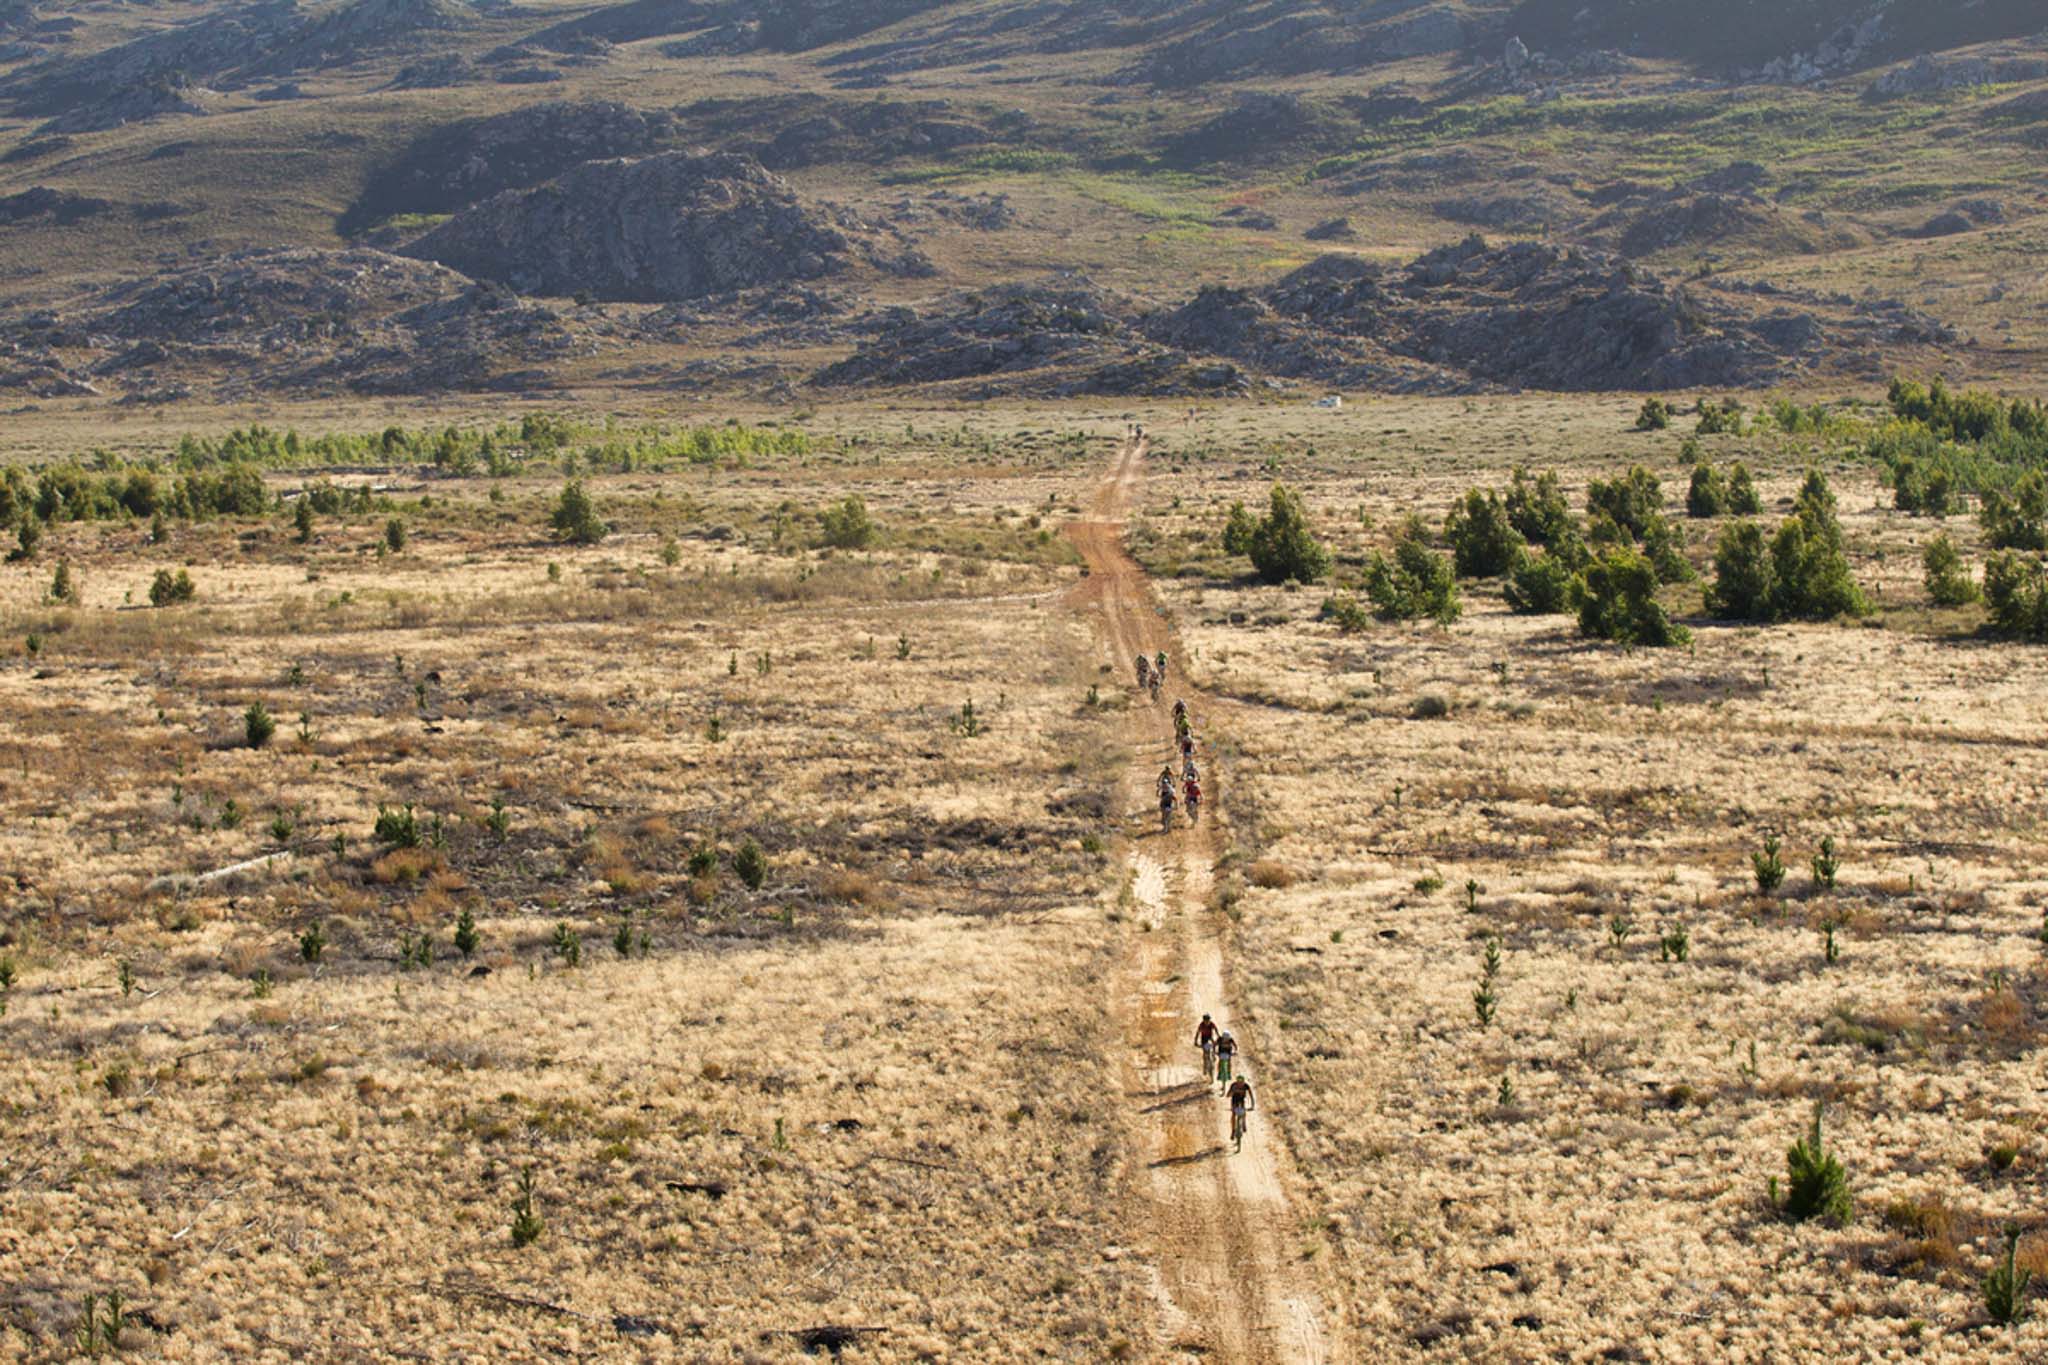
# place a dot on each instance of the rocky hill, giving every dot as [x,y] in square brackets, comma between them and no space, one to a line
[289,321]
[665,227]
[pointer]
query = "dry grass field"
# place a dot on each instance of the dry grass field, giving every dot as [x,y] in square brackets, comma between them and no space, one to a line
[921,1069]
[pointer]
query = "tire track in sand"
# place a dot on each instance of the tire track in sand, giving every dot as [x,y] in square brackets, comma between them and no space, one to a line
[1217,1223]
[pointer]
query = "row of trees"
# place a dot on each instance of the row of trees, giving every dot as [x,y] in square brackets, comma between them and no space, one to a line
[1607,570]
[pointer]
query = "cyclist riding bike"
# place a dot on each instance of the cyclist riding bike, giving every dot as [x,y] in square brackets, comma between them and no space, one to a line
[1205,1039]
[1180,710]
[1159,665]
[1187,746]
[1165,799]
[1241,1104]
[1226,1053]
[1144,671]
[1191,794]
[1188,771]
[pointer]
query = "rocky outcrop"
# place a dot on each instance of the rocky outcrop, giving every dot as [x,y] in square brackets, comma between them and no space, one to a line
[296,321]
[1462,319]
[162,72]
[665,227]
[462,163]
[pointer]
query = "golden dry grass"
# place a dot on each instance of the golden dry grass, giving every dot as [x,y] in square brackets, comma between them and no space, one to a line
[277,1157]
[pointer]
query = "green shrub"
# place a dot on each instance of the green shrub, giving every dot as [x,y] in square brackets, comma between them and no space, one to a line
[1537,508]
[1767,867]
[575,518]
[1947,577]
[1664,545]
[1723,418]
[466,936]
[1416,584]
[1805,575]
[2018,520]
[257,725]
[312,943]
[1633,501]
[398,828]
[64,584]
[1619,602]
[1238,529]
[1816,1186]
[1708,495]
[302,520]
[1282,547]
[847,525]
[1743,500]
[1655,415]
[1483,542]
[1542,585]
[526,1221]
[168,589]
[28,537]
[1743,587]
[1344,611]
[750,864]
[2005,1288]
[394,535]
[2016,591]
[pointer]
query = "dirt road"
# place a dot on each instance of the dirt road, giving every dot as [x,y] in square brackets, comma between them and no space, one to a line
[1217,1222]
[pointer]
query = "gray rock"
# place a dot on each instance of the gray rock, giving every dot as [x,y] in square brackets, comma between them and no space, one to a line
[671,226]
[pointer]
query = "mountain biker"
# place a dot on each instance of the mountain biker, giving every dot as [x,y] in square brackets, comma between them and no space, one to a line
[1226,1052]
[1144,671]
[1180,711]
[1205,1039]
[1191,793]
[1159,664]
[1188,771]
[1165,797]
[1187,746]
[1239,1093]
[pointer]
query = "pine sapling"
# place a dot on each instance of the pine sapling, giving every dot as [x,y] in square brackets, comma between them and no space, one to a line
[526,1221]
[1767,866]
[1830,950]
[466,936]
[312,943]
[1816,1186]
[1676,944]
[2005,1288]
[1825,864]
[1619,927]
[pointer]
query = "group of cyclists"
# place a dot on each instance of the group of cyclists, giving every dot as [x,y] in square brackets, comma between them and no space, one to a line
[1219,1048]
[1185,788]
[1219,1064]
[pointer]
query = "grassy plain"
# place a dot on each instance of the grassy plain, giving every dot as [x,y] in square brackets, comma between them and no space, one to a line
[882,1088]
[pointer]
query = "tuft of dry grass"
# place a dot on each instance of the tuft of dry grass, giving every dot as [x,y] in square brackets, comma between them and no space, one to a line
[1271,875]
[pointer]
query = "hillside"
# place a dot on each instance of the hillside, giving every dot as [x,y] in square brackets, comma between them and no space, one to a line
[1849,187]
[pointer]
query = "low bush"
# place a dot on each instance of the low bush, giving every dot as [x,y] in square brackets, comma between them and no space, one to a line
[575,518]
[1803,576]
[1815,1186]
[1708,494]
[2017,520]
[1537,508]
[1743,500]
[1543,585]
[1416,584]
[1634,501]
[2016,591]
[1484,543]
[1655,415]
[1281,546]
[1619,602]
[169,589]
[1948,579]
[847,526]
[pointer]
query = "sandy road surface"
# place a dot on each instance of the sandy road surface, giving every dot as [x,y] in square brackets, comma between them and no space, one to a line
[1217,1222]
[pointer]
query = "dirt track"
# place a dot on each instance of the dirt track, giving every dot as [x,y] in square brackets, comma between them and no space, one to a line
[1218,1222]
